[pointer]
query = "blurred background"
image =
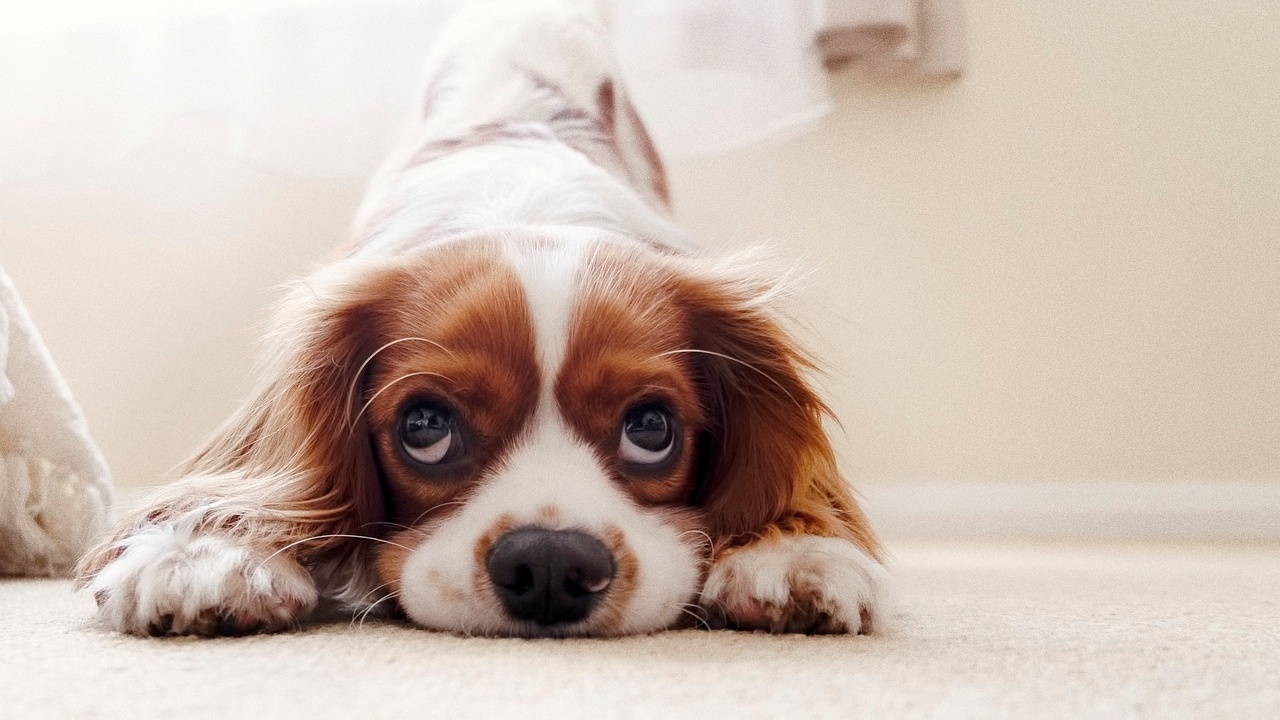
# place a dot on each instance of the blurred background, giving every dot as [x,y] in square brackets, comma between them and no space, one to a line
[1048,289]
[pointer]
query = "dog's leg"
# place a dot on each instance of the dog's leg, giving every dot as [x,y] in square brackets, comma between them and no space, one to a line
[792,552]
[288,484]
[795,582]
[183,576]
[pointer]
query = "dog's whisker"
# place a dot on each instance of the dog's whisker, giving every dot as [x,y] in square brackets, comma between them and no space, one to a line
[313,538]
[386,523]
[413,526]
[433,508]
[731,358]
[355,382]
[691,610]
[706,538]
[371,592]
[364,615]
[383,389]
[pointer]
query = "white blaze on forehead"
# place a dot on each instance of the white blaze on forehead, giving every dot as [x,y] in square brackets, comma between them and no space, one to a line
[549,272]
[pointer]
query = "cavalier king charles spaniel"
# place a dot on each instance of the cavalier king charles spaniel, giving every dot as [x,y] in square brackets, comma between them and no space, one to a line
[519,402]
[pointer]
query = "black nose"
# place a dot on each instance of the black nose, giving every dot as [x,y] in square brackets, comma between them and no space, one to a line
[549,576]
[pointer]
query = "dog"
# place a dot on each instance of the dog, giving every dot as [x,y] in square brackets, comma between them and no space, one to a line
[518,403]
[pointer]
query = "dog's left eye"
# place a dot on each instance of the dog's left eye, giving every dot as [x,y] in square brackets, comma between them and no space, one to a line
[648,435]
[429,433]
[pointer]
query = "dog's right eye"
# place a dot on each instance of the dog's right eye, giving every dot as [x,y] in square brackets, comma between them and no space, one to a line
[429,433]
[648,435]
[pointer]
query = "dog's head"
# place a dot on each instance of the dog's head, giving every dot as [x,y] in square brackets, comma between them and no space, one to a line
[550,435]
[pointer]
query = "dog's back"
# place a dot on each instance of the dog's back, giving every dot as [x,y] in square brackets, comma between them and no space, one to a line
[523,120]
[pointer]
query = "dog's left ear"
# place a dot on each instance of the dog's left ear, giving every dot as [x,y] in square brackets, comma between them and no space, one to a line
[301,424]
[768,465]
[292,469]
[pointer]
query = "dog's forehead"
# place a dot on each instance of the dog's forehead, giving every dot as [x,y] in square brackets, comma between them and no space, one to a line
[498,294]
[552,307]
[448,304]
[550,273]
[588,287]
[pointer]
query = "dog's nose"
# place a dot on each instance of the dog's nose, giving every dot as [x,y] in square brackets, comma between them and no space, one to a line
[549,576]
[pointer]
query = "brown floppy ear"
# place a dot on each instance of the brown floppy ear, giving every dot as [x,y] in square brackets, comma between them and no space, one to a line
[289,466]
[768,466]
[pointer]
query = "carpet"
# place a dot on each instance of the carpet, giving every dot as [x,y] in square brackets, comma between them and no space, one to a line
[982,630]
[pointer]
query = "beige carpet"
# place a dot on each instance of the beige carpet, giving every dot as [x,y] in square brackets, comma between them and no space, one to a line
[983,631]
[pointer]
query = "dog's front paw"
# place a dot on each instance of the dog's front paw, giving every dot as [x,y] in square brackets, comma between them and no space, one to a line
[168,581]
[797,583]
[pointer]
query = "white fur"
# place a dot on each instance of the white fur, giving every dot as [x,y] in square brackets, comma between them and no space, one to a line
[776,579]
[549,278]
[480,73]
[516,183]
[174,578]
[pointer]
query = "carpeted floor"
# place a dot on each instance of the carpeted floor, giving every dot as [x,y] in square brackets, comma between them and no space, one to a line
[983,631]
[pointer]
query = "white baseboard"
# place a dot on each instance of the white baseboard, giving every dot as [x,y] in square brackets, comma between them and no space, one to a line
[1233,512]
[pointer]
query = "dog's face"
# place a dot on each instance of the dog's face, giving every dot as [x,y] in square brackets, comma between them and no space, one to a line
[549,423]
[535,422]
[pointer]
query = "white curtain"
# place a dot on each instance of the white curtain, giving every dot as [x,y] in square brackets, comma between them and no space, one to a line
[319,87]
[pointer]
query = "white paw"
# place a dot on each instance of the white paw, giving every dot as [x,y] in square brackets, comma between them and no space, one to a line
[800,583]
[172,581]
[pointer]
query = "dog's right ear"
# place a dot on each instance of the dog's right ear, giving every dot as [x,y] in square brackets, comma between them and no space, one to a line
[768,465]
[292,468]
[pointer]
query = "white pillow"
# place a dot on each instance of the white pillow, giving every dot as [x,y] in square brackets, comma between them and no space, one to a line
[54,485]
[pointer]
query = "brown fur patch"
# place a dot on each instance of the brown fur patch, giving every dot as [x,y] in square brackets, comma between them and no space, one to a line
[616,110]
[547,516]
[651,323]
[622,352]
[611,613]
[467,342]
[481,585]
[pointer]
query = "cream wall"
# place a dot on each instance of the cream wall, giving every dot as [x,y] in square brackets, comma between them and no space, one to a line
[1064,267]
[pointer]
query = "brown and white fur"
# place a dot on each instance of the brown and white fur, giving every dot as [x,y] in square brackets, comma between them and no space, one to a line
[514,280]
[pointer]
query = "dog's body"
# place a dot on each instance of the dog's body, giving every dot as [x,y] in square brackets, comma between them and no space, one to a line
[523,124]
[519,403]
